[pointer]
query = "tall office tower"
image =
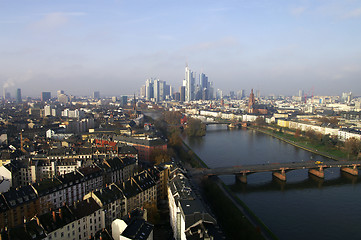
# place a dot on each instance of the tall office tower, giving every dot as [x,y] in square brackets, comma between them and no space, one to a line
[162,90]
[219,94]
[243,93]
[346,97]
[149,89]
[258,94]
[232,95]
[182,92]
[59,92]
[203,81]
[142,91]
[62,98]
[167,91]
[176,96]
[123,100]
[96,95]
[45,96]
[18,95]
[189,84]
[240,94]
[300,93]
[156,90]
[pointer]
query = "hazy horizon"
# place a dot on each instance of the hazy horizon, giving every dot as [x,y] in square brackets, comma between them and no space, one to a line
[277,47]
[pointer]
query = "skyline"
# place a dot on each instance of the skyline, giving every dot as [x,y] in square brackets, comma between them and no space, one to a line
[113,47]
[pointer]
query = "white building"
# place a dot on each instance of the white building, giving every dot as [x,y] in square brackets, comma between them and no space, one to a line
[187,214]
[5,179]
[344,134]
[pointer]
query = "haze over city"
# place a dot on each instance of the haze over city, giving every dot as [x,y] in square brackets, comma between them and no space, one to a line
[277,47]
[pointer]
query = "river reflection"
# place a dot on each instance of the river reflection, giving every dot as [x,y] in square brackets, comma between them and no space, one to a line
[304,207]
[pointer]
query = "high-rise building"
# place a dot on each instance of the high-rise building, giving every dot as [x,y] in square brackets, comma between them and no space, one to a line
[96,95]
[63,98]
[18,95]
[123,100]
[240,94]
[45,96]
[203,81]
[346,97]
[59,92]
[189,81]
[149,85]
[182,92]
[232,95]
[219,94]
[142,91]
[157,90]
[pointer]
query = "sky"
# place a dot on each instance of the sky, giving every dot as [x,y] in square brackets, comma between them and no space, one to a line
[113,46]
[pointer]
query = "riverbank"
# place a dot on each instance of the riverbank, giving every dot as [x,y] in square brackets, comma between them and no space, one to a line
[304,144]
[236,219]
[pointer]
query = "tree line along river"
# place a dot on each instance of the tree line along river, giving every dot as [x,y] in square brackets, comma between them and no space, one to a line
[302,208]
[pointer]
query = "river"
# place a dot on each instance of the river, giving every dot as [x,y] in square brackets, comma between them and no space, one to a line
[302,208]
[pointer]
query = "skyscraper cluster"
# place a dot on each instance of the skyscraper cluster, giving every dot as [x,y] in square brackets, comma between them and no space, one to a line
[156,90]
[194,87]
[196,90]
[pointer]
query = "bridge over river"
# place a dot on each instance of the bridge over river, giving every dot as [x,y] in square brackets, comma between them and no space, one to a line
[279,169]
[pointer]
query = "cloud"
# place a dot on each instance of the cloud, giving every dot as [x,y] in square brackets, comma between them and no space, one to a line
[355,13]
[54,20]
[297,11]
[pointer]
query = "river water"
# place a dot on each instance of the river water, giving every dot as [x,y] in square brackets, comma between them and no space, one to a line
[305,207]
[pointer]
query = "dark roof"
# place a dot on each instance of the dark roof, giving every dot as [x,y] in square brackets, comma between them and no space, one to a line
[3,204]
[29,231]
[138,229]
[144,180]
[20,196]
[126,149]
[71,178]
[90,171]
[56,219]
[130,188]
[84,208]
[109,194]
[180,187]
[102,234]
[47,186]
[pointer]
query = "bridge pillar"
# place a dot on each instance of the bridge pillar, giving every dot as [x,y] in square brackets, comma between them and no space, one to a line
[242,177]
[281,175]
[352,171]
[317,172]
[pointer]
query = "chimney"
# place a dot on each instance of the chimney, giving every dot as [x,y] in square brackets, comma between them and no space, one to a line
[54,216]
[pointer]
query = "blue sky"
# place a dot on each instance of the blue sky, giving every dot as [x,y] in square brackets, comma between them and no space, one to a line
[113,46]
